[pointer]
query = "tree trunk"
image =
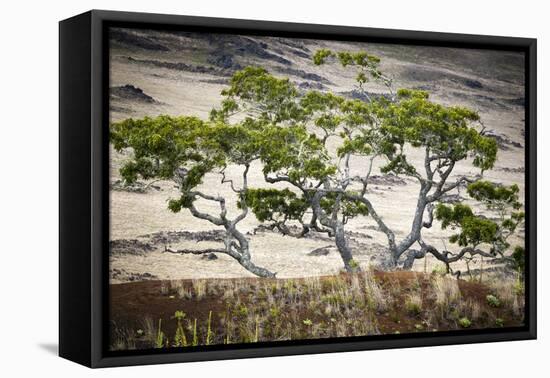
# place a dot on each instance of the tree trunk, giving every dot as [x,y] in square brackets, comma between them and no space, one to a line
[242,255]
[345,251]
[254,269]
[339,234]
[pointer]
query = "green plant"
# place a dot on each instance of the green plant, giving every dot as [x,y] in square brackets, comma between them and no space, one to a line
[413,304]
[242,310]
[464,322]
[518,257]
[195,335]
[307,322]
[493,301]
[257,330]
[209,333]
[180,340]
[439,269]
[159,342]
[354,265]
[274,312]
[499,322]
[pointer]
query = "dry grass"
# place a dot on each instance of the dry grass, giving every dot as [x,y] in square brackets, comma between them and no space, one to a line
[253,310]
[446,291]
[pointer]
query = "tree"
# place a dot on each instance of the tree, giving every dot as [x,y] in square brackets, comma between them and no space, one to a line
[184,150]
[476,231]
[291,154]
[407,119]
[381,127]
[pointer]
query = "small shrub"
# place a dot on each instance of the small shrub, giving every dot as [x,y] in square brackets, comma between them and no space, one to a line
[499,322]
[354,264]
[242,310]
[464,322]
[493,301]
[440,270]
[413,305]
[274,312]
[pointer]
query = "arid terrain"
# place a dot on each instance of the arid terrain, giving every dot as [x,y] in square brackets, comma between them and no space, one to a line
[177,73]
[166,300]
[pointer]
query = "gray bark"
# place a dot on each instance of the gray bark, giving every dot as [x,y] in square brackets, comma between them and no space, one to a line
[236,244]
[338,230]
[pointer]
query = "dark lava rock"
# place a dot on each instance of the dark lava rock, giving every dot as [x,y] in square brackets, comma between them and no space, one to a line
[303,74]
[503,141]
[512,170]
[250,47]
[129,38]
[311,85]
[129,92]
[323,251]
[390,180]
[129,247]
[179,66]
[176,236]
[520,101]
[209,256]
[474,84]
[123,275]
[451,198]
[135,187]
[224,61]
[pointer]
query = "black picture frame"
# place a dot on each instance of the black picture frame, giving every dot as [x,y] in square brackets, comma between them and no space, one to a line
[84,194]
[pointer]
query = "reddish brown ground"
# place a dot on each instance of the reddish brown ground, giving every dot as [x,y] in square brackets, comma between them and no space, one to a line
[132,302]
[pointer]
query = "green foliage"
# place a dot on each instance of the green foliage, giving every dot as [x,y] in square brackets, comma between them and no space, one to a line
[493,301]
[474,230]
[320,56]
[495,196]
[368,64]
[445,131]
[464,322]
[440,270]
[348,208]
[159,341]
[180,340]
[209,333]
[295,151]
[275,204]
[159,145]
[353,264]
[262,96]
[413,308]
[519,259]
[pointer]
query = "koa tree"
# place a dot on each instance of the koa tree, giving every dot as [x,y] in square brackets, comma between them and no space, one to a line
[184,150]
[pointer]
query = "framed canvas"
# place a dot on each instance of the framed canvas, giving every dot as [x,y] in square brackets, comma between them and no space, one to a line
[234,188]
